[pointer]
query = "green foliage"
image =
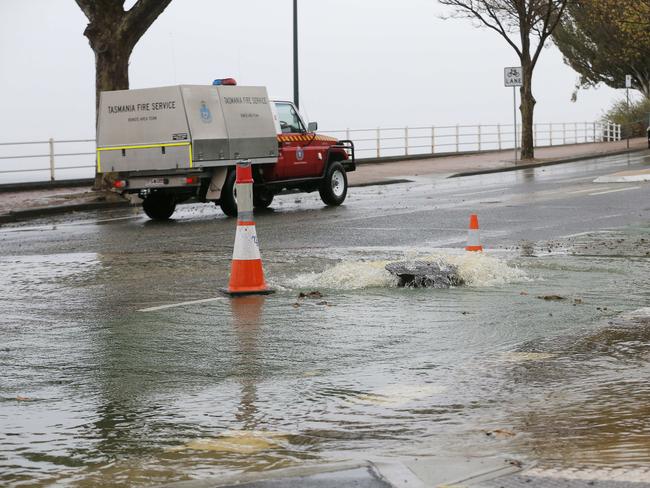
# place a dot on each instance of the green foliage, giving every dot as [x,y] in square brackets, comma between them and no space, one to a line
[633,119]
[605,40]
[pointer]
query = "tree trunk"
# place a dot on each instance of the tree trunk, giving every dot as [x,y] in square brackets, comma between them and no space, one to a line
[111,70]
[111,73]
[113,33]
[527,108]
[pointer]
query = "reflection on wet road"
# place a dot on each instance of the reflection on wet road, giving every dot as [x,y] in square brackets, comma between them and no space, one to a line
[539,357]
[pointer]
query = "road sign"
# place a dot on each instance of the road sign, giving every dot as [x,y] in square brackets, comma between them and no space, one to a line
[628,81]
[513,76]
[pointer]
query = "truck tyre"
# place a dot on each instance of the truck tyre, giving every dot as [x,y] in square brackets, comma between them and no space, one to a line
[228,200]
[262,198]
[334,187]
[159,206]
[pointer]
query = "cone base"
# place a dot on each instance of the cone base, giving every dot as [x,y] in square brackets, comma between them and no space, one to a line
[240,293]
[474,248]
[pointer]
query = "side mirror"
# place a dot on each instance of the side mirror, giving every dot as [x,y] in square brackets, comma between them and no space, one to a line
[312,127]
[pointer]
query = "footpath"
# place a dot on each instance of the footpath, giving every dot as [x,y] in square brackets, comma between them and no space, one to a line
[19,204]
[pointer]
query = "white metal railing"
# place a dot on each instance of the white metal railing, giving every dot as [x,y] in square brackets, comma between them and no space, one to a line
[41,160]
[406,141]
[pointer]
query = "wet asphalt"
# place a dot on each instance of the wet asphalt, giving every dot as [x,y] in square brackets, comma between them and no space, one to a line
[97,392]
[528,205]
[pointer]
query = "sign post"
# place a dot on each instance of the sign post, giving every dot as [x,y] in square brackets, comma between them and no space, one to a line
[513,76]
[628,85]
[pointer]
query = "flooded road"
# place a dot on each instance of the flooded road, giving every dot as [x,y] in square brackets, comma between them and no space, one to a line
[543,356]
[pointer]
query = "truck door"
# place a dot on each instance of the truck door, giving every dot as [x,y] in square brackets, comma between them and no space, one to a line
[301,154]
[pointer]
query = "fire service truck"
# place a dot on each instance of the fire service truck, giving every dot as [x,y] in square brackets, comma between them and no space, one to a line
[170,144]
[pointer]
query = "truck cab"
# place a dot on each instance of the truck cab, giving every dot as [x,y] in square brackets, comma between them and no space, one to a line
[172,144]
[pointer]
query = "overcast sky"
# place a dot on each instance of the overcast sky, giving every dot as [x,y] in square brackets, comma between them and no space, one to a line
[363,64]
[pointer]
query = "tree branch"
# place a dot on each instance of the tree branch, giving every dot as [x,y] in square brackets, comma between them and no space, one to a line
[140,17]
[549,27]
[470,8]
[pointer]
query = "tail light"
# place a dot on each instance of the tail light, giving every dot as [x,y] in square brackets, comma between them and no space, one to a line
[120,184]
[191,180]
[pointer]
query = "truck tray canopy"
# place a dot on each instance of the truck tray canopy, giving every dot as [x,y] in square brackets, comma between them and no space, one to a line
[184,127]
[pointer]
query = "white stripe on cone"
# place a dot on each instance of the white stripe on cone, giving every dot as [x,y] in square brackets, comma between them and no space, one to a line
[473,238]
[246,247]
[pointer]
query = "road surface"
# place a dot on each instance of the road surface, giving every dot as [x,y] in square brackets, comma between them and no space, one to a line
[109,375]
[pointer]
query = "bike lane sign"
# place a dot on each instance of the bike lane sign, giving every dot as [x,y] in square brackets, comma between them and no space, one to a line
[513,76]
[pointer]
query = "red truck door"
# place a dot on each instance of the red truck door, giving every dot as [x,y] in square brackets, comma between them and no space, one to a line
[302,152]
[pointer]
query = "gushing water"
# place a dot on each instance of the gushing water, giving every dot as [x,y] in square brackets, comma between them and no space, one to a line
[475,269]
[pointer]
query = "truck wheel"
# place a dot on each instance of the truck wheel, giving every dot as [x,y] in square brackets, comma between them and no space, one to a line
[262,198]
[159,207]
[334,187]
[228,200]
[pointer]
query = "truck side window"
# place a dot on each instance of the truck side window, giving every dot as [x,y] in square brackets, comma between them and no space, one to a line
[289,120]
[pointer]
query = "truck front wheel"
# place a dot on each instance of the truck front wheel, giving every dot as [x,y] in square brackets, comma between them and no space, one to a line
[334,187]
[159,206]
[262,198]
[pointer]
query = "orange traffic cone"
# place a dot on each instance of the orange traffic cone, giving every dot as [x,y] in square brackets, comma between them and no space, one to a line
[247,274]
[473,237]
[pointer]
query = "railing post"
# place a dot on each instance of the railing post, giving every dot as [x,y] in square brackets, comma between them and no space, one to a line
[534,135]
[564,133]
[575,132]
[594,131]
[499,135]
[457,139]
[550,133]
[378,142]
[433,139]
[479,137]
[347,133]
[51,159]
[406,141]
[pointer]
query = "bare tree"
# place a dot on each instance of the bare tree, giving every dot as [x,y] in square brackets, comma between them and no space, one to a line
[526,25]
[113,33]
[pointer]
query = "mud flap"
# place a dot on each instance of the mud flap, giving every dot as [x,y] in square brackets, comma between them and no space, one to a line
[216,183]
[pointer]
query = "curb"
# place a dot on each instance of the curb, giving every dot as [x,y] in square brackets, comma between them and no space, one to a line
[550,162]
[47,185]
[28,213]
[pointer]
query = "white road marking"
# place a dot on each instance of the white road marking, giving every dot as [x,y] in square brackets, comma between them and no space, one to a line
[586,233]
[571,180]
[112,220]
[614,191]
[173,305]
[588,190]
[630,475]
[619,178]
[479,192]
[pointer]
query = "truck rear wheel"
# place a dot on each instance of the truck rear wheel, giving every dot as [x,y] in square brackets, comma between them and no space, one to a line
[159,206]
[228,200]
[334,187]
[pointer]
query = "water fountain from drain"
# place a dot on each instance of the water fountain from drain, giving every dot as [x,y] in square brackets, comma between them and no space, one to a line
[425,274]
